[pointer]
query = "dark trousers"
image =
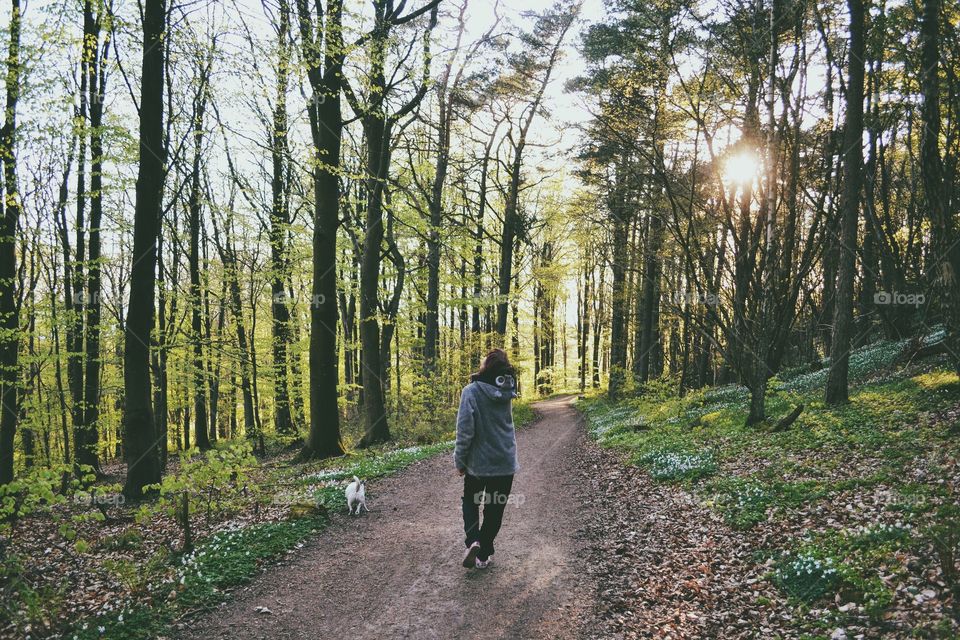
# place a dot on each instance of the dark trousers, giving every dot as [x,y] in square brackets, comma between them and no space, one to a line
[491,492]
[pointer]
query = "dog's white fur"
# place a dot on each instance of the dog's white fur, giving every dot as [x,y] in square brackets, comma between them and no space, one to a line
[356,496]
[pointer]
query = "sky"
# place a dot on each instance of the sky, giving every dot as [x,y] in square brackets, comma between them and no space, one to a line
[568,107]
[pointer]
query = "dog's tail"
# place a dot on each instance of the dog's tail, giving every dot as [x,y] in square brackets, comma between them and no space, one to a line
[357,480]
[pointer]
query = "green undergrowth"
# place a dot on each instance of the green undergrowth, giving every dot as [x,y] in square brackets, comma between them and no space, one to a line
[201,579]
[857,565]
[754,475]
[368,465]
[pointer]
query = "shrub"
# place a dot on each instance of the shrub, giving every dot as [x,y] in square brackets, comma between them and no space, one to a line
[213,483]
[38,490]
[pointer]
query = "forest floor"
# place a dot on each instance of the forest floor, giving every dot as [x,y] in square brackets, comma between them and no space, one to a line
[395,572]
[671,521]
[653,517]
[82,564]
[845,525]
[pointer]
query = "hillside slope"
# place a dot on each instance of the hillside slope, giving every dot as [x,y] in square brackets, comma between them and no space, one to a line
[846,524]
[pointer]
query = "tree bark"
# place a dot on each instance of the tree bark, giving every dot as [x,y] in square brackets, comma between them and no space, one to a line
[91,394]
[836,391]
[198,368]
[279,222]
[378,128]
[326,126]
[945,249]
[140,443]
[648,321]
[511,219]
[73,270]
[228,257]
[618,302]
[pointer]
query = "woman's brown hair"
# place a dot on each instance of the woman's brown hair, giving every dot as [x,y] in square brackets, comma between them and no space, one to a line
[494,364]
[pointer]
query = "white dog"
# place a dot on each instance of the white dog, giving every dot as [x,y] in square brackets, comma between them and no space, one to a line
[356,496]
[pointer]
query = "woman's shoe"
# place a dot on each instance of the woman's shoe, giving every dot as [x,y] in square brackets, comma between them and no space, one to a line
[470,558]
[483,564]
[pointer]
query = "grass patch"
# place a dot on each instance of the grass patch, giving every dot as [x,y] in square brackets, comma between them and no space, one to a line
[815,569]
[200,579]
[370,463]
[230,558]
[884,420]
[129,623]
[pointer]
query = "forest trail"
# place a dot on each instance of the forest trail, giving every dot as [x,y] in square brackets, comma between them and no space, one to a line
[396,573]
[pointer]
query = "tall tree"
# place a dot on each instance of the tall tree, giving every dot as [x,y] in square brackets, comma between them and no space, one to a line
[140,438]
[446,100]
[102,23]
[10,218]
[378,122]
[843,325]
[945,248]
[323,49]
[533,69]
[195,210]
[279,225]
[228,256]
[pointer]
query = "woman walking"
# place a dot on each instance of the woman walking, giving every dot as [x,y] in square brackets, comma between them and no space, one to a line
[486,453]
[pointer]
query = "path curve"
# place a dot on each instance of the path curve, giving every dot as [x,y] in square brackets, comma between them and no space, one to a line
[396,573]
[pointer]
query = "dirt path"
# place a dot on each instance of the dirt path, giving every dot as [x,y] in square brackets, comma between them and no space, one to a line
[396,573]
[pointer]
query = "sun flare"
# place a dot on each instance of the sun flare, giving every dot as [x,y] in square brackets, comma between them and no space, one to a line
[741,168]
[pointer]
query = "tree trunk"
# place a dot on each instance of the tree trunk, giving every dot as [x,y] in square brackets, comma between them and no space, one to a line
[843,326]
[375,426]
[945,249]
[648,322]
[326,126]
[619,302]
[378,128]
[198,368]
[507,237]
[161,391]
[91,394]
[432,324]
[232,271]
[73,271]
[140,443]
[511,219]
[279,222]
